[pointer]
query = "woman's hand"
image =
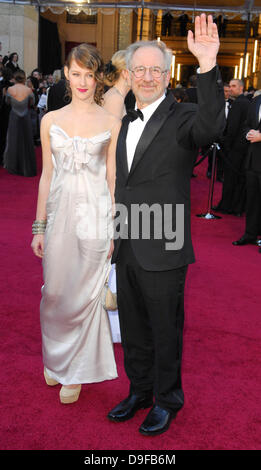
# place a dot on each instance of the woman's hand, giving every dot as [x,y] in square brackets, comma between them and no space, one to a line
[111,250]
[37,245]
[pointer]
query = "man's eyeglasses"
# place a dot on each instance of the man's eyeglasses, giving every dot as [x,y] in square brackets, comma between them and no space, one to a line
[139,72]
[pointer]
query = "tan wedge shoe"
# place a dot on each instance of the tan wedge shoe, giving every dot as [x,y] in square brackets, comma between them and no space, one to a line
[49,380]
[70,395]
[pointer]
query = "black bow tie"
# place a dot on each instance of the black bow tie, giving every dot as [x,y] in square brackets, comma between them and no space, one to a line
[135,114]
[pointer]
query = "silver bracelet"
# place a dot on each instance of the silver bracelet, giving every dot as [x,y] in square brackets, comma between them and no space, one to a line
[38,227]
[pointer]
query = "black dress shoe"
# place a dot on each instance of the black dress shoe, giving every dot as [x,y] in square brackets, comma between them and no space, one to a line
[127,408]
[244,241]
[157,421]
[259,249]
[222,211]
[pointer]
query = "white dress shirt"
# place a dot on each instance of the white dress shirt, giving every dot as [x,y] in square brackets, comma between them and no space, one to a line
[227,105]
[136,128]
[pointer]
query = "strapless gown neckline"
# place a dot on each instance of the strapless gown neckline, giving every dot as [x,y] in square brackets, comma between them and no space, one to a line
[94,137]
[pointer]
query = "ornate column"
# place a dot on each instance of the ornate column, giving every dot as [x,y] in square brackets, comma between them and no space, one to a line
[158,24]
[145,25]
[125,28]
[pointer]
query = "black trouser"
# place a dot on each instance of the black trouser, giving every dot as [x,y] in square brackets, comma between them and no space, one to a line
[253,203]
[151,313]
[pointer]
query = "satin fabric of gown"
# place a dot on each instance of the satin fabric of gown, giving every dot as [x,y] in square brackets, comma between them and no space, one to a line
[19,156]
[76,336]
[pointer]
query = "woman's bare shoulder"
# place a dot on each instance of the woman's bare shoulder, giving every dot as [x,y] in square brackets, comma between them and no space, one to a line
[47,120]
[53,116]
[11,90]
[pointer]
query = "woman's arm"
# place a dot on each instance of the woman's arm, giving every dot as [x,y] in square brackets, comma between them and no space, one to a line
[111,168]
[44,184]
[111,159]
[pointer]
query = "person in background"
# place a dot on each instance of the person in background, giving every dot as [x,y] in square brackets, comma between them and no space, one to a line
[253,175]
[37,74]
[19,155]
[220,149]
[115,76]
[5,108]
[250,92]
[12,63]
[57,75]
[192,89]
[42,103]
[235,149]
[50,80]
[57,96]
[180,95]
[33,83]
[166,27]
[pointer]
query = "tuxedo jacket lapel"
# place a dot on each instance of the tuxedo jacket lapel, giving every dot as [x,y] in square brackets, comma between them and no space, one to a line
[152,128]
[121,147]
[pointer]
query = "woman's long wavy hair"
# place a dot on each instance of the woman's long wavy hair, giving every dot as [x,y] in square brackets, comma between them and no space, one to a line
[87,56]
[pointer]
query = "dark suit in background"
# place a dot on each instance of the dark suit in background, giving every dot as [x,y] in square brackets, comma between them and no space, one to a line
[235,149]
[253,174]
[220,148]
[150,278]
[12,67]
[192,94]
[56,98]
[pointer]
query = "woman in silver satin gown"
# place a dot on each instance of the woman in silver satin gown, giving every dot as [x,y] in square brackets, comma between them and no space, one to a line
[76,193]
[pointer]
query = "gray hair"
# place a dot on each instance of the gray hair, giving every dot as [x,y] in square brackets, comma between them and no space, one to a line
[238,80]
[167,53]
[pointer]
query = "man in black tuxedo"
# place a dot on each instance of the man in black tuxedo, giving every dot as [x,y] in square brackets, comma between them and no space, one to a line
[235,148]
[154,161]
[253,175]
[220,149]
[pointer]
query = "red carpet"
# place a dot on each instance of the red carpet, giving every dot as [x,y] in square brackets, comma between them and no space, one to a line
[222,348]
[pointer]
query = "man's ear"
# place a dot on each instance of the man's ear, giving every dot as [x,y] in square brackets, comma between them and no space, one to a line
[127,76]
[167,78]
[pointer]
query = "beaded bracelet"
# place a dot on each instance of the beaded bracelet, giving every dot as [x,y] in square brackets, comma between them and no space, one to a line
[38,227]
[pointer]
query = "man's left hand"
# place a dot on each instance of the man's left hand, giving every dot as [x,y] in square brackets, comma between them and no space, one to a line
[205,44]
